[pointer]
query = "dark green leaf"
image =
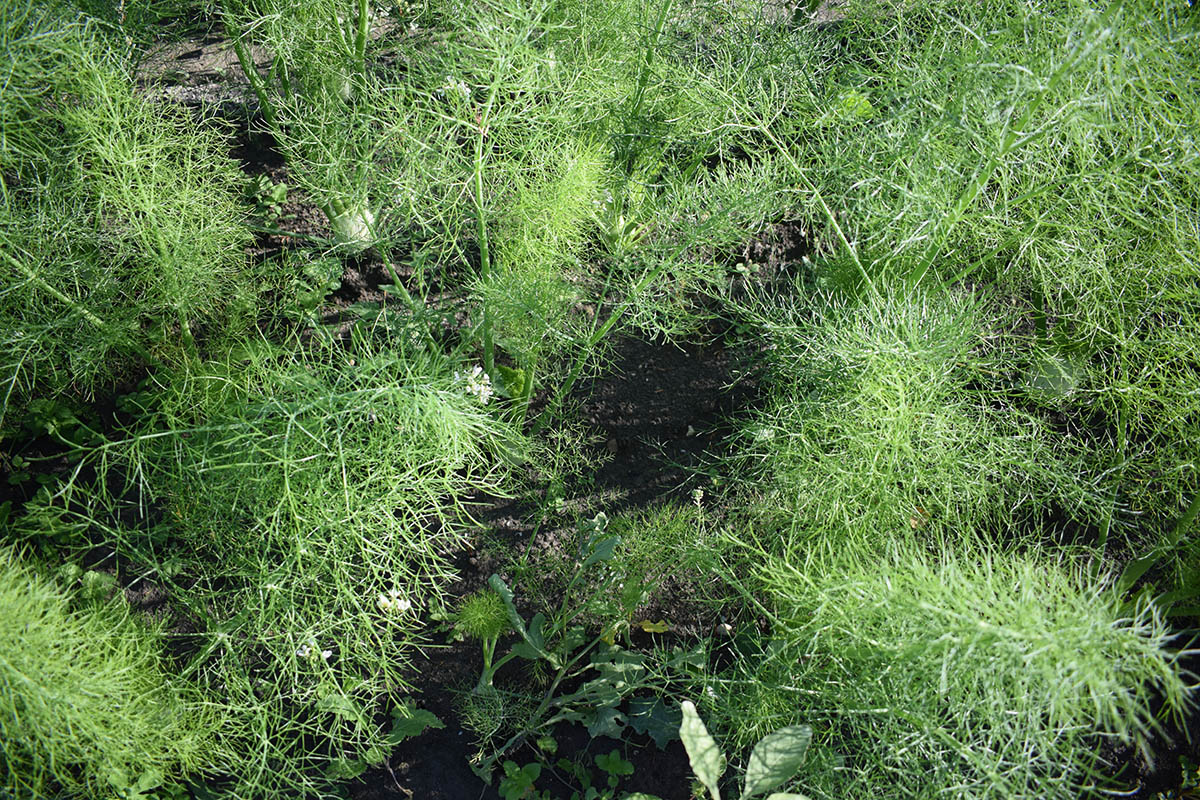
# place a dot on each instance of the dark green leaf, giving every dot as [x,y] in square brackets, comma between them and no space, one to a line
[605,721]
[613,764]
[409,722]
[650,715]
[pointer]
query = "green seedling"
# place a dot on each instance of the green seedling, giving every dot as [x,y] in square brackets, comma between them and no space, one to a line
[518,782]
[483,616]
[604,673]
[615,767]
[265,197]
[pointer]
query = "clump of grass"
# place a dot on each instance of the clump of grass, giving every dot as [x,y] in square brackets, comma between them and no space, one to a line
[966,671]
[86,705]
[312,499]
[880,419]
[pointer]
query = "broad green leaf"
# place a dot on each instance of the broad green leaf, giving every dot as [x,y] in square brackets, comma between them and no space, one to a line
[344,769]
[654,627]
[650,715]
[605,722]
[613,764]
[706,758]
[601,550]
[535,631]
[409,722]
[339,705]
[150,779]
[776,758]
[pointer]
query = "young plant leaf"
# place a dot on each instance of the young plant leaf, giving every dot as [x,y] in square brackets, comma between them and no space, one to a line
[533,646]
[601,550]
[776,758]
[650,715]
[409,722]
[605,721]
[706,758]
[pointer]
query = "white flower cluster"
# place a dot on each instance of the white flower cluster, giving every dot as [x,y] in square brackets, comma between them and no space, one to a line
[478,383]
[607,202]
[454,87]
[393,602]
[307,649]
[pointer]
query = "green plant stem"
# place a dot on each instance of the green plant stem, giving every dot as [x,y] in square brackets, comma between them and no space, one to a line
[257,85]
[489,671]
[536,720]
[635,101]
[526,392]
[481,223]
[360,38]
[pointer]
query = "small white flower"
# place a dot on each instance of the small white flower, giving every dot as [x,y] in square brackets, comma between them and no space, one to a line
[393,602]
[325,654]
[697,496]
[451,86]
[478,383]
[304,651]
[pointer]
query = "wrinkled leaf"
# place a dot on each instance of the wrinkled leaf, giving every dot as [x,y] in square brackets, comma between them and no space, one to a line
[150,779]
[605,721]
[650,715]
[706,758]
[620,667]
[512,380]
[776,758]
[339,705]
